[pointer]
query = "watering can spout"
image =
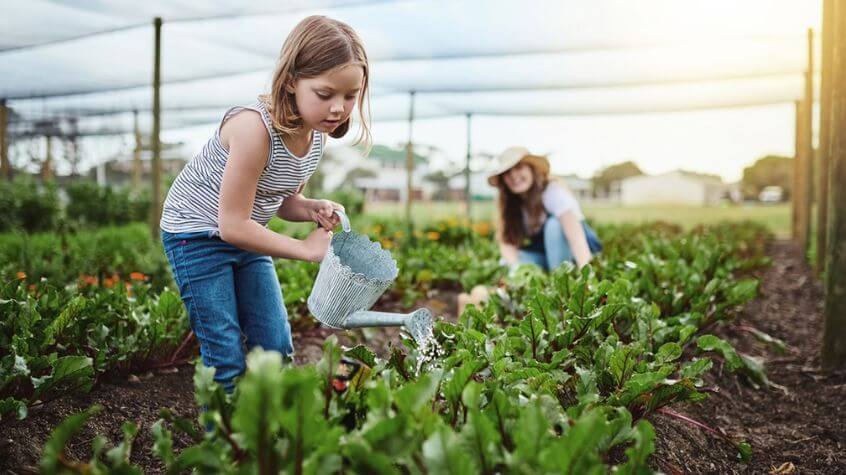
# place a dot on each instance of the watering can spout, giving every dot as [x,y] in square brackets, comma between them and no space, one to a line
[418,323]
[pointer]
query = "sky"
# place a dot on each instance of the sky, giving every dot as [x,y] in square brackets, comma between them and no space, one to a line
[611,78]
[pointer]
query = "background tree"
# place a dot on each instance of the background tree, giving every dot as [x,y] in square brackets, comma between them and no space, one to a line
[603,179]
[772,170]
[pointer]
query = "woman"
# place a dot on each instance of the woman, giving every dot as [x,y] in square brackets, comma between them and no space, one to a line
[540,221]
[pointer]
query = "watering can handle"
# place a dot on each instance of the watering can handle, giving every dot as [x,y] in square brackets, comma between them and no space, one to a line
[345,221]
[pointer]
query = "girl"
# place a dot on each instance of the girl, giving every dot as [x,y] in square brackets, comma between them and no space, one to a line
[255,166]
[540,220]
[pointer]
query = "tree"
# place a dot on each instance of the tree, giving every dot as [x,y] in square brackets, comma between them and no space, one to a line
[604,178]
[772,170]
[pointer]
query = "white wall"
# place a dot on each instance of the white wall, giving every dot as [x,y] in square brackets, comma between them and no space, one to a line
[664,189]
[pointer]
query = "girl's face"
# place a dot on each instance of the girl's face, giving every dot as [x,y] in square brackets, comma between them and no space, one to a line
[326,101]
[519,179]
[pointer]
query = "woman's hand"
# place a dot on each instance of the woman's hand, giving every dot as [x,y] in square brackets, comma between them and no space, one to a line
[322,212]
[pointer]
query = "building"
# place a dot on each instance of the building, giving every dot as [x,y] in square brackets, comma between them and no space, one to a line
[676,187]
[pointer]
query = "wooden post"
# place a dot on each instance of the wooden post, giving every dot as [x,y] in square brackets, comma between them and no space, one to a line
[409,167]
[825,137]
[155,145]
[136,156]
[806,175]
[467,191]
[47,165]
[795,193]
[5,166]
[834,333]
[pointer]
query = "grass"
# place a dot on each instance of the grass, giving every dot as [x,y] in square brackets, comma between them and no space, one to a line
[776,217]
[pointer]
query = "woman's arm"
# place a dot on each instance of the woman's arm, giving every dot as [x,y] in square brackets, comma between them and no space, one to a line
[249,145]
[575,234]
[508,252]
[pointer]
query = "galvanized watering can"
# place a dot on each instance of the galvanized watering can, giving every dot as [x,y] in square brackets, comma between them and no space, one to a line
[353,275]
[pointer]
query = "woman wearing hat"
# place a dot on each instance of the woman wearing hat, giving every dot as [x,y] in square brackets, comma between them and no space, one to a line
[540,220]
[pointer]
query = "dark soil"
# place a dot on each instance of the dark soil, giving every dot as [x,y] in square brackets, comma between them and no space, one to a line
[796,426]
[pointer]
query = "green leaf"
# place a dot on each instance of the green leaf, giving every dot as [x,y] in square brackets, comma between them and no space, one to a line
[162,443]
[411,397]
[713,343]
[637,456]
[11,405]
[744,451]
[69,373]
[256,415]
[363,354]
[59,439]
[668,352]
[444,453]
[532,432]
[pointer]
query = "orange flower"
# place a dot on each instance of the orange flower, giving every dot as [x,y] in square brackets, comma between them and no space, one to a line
[433,235]
[87,279]
[21,275]
[137,276]
[482,228]
[108,282]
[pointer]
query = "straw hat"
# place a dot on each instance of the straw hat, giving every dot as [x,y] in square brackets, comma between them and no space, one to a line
[514,155]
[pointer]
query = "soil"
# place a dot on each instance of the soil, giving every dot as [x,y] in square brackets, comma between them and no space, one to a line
[798,425]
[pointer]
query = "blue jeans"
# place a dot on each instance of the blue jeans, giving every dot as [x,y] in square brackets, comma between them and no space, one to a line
[233,299]
[556,247]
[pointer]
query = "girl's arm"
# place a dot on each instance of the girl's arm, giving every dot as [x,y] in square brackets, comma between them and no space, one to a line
[575,234]
[299,208]
[249,146]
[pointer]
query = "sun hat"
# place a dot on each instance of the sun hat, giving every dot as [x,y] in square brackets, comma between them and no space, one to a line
[514,155]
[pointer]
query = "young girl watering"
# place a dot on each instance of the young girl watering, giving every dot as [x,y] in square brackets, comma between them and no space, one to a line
[254,167]
[540,220]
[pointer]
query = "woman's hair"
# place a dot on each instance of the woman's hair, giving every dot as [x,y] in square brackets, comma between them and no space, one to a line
[512,229]
[316,45]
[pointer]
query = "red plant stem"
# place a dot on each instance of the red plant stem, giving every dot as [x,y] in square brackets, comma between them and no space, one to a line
[182,346]
[677,415]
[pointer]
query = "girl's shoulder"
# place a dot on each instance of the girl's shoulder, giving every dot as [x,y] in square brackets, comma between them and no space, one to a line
[246,124]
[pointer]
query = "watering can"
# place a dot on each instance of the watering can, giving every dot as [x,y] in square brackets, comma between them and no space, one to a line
[353,275]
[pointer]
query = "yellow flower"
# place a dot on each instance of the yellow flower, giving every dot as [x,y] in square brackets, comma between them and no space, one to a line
[399,234]
[433,235]
[387,244]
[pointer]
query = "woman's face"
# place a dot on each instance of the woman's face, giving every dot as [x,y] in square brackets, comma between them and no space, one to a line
[519,179]
[326,101]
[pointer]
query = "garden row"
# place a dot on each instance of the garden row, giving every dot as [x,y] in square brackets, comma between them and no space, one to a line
[557,373]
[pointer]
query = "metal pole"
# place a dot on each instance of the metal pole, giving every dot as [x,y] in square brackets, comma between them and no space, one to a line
[825,137]
[5,167]
[409,166]
[834,333]
[467,192]
[156,164]
[136,156]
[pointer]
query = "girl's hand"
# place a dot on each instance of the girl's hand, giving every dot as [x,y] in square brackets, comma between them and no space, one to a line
[316,245]
[323,213]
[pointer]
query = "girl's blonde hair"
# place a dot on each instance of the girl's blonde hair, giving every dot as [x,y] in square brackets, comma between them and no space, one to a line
[316,45]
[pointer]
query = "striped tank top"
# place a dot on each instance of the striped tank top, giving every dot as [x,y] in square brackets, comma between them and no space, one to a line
[192,201]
